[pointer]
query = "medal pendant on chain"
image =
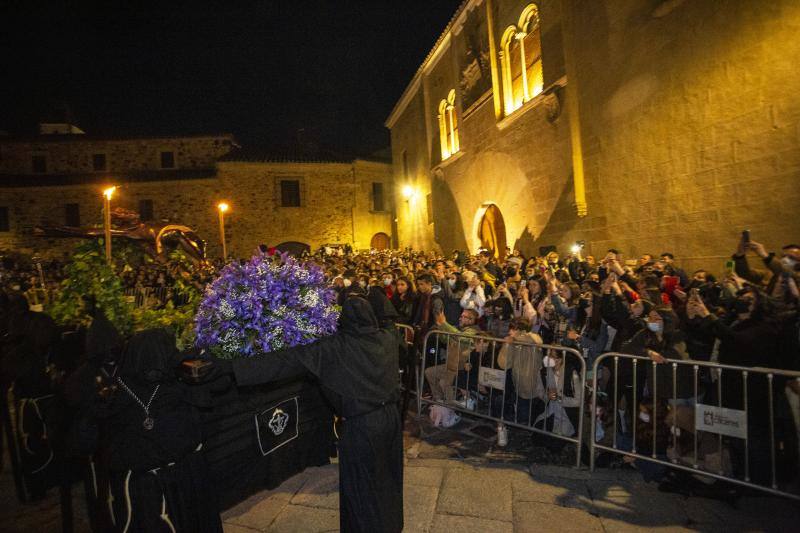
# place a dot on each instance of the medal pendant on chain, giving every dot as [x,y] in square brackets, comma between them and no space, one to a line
[148,423]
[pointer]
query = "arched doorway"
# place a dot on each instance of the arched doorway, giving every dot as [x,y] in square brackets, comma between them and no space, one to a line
[492,231]
[380,241]
[293,248]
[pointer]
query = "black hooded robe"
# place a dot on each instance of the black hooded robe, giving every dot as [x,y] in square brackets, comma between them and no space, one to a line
[159,477]
[357,370]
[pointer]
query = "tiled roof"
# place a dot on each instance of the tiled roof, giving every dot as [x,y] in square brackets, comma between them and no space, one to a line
[115,137]
[50,180]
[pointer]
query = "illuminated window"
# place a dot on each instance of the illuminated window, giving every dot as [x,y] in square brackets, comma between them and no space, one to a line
[521,60]
[448,126]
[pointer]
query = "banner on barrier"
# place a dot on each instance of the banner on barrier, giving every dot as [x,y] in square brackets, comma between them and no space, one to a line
[721,420]
[492,377]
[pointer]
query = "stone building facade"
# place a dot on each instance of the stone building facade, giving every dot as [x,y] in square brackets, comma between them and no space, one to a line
[641,125]
[58,180]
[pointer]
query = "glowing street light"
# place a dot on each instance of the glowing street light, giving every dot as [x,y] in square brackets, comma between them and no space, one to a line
[223,208]
[107,194]
[408,192]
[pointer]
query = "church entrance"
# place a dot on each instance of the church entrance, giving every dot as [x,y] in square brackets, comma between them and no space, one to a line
[492,231]
[380,241]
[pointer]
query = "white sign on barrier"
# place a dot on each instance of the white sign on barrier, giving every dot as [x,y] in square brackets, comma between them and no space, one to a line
[720,420]
[492,377]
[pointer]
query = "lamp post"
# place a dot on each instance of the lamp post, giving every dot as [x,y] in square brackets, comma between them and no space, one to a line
[223,207]
[107,194]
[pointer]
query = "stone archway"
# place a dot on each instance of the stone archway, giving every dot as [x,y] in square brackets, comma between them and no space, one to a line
[492,230]
[380,241]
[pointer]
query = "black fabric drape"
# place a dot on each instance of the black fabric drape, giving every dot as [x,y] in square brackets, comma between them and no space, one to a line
[357,369]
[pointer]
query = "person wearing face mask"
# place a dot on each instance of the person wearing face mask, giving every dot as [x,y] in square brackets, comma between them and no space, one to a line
[558,397]
[453,287]
[750,336]
[387,281]
[660,340]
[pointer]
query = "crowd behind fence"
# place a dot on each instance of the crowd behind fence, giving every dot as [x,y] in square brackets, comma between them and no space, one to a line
[705,418]
[542,392]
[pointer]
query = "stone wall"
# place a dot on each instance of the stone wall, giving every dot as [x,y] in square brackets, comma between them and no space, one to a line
[689,130]
[336,206]
[72,154]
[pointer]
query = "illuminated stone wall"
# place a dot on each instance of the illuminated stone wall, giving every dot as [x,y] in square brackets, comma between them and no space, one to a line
[688,126]
[336,206]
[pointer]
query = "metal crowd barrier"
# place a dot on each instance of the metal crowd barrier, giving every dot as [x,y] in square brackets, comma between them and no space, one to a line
[724,424]
[476,384]
[149,297]
[408,366]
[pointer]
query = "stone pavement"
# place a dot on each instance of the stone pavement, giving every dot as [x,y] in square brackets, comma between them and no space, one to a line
[465,496]
[457,480]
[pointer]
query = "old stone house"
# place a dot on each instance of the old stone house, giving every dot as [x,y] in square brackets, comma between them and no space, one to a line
[308,200]
[643,125]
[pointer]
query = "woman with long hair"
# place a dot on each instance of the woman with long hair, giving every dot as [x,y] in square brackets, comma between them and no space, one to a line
[404,299]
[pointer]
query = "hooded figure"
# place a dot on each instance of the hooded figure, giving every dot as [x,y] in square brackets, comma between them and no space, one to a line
[159,480]
[357,370]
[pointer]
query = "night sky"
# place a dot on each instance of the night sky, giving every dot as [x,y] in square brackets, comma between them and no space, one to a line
[260,70]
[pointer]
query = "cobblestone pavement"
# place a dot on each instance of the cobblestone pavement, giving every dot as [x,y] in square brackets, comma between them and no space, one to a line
[457,480]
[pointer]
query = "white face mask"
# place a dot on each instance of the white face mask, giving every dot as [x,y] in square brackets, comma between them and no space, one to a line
[387,281]
[451,282]
[644,417]
[549,362]
[788,262]
[655,327]
[347,282]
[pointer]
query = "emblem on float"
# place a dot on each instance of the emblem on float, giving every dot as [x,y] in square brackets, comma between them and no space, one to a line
[278,422]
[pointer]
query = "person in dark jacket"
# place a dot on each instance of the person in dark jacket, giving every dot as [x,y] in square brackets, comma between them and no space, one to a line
[404,300]
[159,477]
[357,371]
[751,337]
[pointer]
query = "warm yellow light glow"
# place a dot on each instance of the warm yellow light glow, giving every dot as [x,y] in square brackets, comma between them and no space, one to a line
[108,193]
[408,192]
[222,206]
[576,248]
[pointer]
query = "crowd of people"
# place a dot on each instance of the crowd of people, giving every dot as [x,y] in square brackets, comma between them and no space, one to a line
[516,307]
[648,307]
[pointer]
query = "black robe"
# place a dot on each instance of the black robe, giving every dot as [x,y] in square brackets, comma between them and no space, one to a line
[357,370]
[159,477]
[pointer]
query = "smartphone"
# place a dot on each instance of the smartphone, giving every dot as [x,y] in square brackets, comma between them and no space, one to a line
[746,236]
[729,266]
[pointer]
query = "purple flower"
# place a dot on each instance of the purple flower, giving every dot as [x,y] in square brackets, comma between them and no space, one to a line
[260,306]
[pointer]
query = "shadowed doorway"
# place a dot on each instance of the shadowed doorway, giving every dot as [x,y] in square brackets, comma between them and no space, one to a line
[492,231]
[380,241]
[294,248]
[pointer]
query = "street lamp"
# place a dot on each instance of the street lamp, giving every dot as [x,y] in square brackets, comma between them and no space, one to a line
[223,207]
[107,194]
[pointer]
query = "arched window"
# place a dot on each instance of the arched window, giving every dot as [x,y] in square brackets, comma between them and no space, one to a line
[521,60]
[448,125]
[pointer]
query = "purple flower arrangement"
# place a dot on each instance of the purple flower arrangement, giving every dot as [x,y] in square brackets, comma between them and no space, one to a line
[266,304]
